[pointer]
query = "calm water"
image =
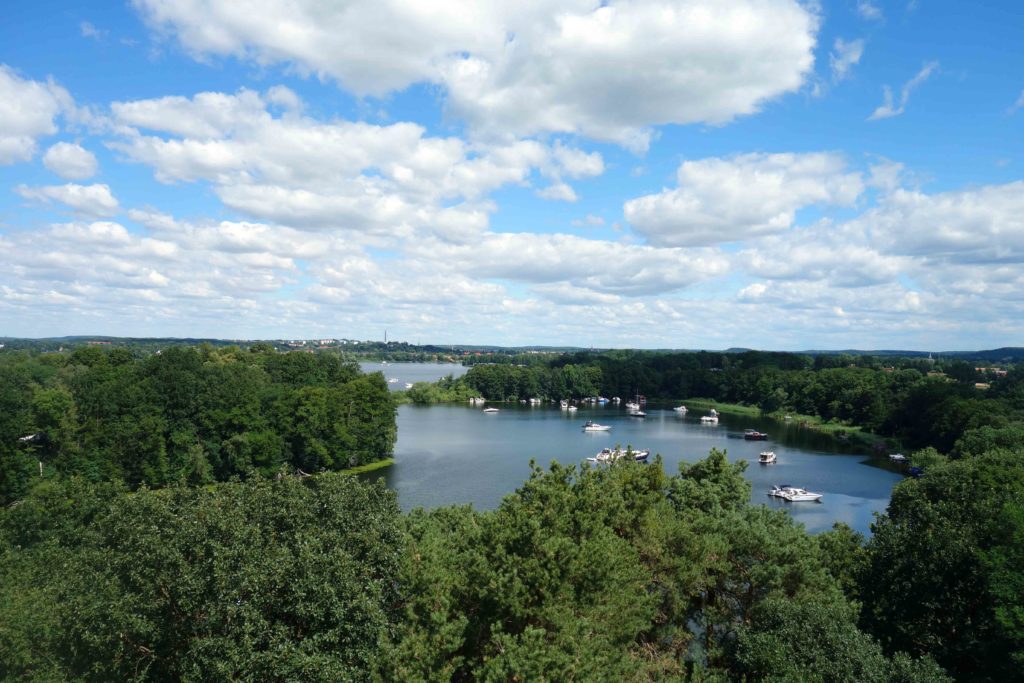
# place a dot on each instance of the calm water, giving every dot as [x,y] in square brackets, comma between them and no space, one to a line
[411,373]
[457,454]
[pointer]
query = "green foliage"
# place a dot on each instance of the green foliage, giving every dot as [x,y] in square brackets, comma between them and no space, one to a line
[943,565]
[186,416]
[818,641]
[266,580]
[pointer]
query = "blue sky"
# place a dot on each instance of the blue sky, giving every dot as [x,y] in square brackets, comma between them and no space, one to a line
[681,173]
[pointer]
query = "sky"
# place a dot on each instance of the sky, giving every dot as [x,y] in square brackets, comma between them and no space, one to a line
[772,174]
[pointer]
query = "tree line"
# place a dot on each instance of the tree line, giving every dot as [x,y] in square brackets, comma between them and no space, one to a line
[185,415]
[921,403]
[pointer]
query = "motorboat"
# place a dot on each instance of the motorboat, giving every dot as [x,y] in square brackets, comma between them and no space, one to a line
[592,426]
[610,455]
[631,406]
[490,410]
[408,385]
[794,494]
[680,409]
[563,404]
[767,457]
[572,409]
[637,413]
[709,420]
[534,401]
[754,435]
[898,457]
[393,380]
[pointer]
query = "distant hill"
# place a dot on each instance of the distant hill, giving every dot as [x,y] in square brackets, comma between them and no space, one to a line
[1006,354]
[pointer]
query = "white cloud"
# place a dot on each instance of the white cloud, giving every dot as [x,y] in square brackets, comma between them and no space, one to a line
[70,161]
[844,57]
[729,199]
[596,265]
[979,226]
[89,31]
[374,180]
[27,112]
[609,71]
[888,107]
[559,192]
[88,200]
[869,10]
[1018,104]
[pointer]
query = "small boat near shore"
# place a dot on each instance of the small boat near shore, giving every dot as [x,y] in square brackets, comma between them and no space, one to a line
[767,458]
[898,457]
[754,435]
[680,409]
[491,410]
[591,426]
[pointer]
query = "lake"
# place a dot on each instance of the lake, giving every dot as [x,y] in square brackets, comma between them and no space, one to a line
[456,454]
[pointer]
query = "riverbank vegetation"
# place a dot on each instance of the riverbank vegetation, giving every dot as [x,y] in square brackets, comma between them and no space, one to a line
[915,402]
[186,416]
[611,573]
[174,533]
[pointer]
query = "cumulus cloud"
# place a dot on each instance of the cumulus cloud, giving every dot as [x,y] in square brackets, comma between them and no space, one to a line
[889,108]
[595,265]
[377,180]
[729,199]
[70,161]
[1018,104]
[982,225]
[27,112]
[869,10]
[88,200]
[844,56]
[609,71]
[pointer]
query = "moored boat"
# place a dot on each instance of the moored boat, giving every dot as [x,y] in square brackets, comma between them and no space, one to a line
[680,409]
[591,426]
[794,494]
[610,455]
[754,435]
[490,410]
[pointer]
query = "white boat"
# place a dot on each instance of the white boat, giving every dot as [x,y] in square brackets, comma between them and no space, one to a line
[573,409]
[563,404]
[680,409]
[474,400]
[616,399]
[610,455]
[490,410]
[630,405]
[638,413]
[898,457]
[592,426]
[767,457]
[534,401]
[794,494]
[709,420]
[392,381]
[408,385]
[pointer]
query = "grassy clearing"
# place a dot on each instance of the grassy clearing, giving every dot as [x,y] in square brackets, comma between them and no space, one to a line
[731,408]
[369,467]
[852,433]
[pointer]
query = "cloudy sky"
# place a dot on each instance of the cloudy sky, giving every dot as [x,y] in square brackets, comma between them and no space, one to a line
[668,173]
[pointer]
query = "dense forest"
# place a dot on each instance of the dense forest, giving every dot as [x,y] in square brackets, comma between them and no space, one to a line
[185,415]
[921,403]
[170,535]
[620,573]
